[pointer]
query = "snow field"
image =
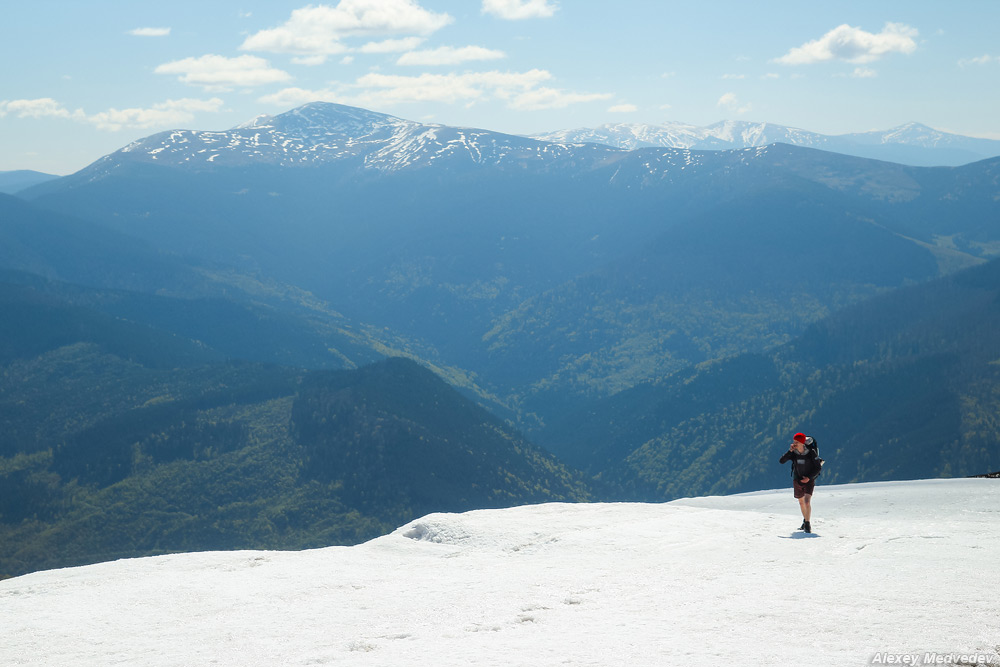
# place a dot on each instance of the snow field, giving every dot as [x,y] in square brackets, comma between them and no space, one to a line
[893,568]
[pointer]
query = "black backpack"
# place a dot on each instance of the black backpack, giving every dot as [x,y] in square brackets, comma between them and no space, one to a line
[812,445]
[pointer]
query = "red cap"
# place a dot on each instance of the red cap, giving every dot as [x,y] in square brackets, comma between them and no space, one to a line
[800,437]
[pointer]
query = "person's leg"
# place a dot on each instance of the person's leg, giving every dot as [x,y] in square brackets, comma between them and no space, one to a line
[806,503]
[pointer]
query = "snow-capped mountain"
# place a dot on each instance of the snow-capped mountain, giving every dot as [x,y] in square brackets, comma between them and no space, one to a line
[893,570]
[726,135]
[912,143]
[321,133]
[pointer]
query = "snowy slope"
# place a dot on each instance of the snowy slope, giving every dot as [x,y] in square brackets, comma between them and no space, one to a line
[894,568]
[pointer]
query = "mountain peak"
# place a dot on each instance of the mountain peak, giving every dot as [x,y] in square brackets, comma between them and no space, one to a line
[327,117]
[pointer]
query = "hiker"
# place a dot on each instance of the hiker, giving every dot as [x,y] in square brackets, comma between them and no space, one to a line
[806,465]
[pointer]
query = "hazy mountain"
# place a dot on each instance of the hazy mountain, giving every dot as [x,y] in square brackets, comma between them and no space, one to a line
[12,182]
[912,144]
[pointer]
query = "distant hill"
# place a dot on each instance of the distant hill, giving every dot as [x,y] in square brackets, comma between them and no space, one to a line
[899,387]
[911,144]
[12,182]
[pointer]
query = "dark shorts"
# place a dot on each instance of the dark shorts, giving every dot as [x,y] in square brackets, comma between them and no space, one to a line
[803,489]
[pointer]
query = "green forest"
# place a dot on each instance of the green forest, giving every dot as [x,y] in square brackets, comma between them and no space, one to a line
[129,460]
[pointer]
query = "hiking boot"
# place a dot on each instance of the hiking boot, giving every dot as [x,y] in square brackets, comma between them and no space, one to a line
[806,527]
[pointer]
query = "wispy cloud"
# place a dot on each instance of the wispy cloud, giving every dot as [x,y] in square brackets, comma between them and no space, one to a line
[392,45]
[150,32]
[170,113]
[539,99]
[732,103]
[853,45]
[985,59]
[514,10]
[43,107]
[219,73]
[447,55]
[522,91]
[319,30]
[623,108]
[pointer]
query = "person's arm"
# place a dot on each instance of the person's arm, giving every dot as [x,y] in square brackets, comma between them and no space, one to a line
[787,456]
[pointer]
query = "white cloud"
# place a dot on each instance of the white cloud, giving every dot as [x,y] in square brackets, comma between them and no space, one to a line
[513,10]
[864,73]
[319,29]
[43,107]
[449,88]
[730,102]
[729,99]
[392,45]
[448,55]
[730,77]
[552,98]
[163,114]
[623,108]
[309,61]
[294,97]
[522,91]
[853,45]
[218,73]
[150,32]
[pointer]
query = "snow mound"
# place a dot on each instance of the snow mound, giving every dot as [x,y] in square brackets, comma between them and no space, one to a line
[512,530]
[894,570]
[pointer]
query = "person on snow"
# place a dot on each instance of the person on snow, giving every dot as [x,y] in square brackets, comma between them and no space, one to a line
[806,465]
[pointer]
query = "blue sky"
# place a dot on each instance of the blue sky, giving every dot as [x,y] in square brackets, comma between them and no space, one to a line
[82,79]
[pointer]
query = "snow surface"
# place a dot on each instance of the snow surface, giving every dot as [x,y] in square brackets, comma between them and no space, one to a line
[894,569]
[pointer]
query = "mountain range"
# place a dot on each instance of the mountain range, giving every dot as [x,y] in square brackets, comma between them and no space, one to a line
[207,306]
[550,272]
[912,144]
